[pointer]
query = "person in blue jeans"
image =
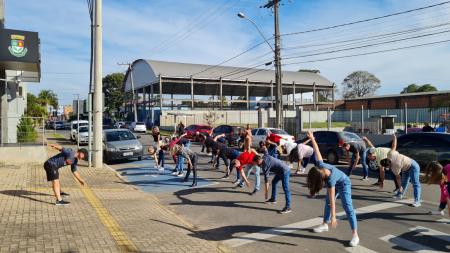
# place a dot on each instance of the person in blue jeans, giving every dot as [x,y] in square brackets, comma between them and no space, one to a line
[282,173]
[180,159]
[358,153]
[409,169]
[337,183]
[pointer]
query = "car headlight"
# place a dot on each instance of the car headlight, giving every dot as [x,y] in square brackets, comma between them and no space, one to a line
[110,149]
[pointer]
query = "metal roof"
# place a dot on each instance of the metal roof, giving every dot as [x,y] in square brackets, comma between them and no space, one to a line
[147,72]
[414,94]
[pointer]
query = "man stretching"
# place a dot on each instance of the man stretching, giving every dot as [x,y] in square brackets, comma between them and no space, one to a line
[53,164]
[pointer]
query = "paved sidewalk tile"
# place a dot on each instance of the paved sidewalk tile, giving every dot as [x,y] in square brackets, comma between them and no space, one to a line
[106,216]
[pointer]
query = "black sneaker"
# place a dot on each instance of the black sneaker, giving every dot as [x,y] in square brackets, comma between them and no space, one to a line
[271,201]
[63,194]
[210,162]
[62,203]
[286,210]
[254,192]
[226,177]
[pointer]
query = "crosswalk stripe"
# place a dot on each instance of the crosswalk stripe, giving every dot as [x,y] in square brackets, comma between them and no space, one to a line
[444,221]
[431,232]
[272,232]
[406,244]
[359,249]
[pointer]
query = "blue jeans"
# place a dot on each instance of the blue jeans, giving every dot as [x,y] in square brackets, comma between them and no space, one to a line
[257,171]
[272,150]
[362,157]
[161,157]
[413,175]
[180,160]
[307,160]
[345,192]
[284,177]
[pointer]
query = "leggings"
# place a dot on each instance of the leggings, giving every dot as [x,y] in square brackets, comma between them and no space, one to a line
[161,157]
[194,159]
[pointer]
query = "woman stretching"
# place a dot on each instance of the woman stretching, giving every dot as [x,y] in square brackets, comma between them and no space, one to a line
[191,158]
[337,183]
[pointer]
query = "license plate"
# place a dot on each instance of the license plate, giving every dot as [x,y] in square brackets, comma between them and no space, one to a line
[128,154]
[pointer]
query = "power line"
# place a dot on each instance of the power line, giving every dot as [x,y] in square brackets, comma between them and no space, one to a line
[369,53]
[366,20]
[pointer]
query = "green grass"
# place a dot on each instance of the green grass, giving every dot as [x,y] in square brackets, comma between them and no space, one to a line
[325,124]
[57,136]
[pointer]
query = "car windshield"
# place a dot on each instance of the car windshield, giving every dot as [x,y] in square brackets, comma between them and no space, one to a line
[140,123]
[350,136]
[278,131]
[83,129]
[119,136]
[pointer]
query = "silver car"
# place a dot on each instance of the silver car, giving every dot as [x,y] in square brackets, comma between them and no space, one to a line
[121,144]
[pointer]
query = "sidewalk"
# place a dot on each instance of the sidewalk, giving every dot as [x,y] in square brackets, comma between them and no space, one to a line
[105,216]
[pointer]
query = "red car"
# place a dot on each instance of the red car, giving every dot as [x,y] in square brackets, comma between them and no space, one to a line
[192,129]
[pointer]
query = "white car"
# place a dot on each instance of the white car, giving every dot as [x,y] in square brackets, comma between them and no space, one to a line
[260,134]
[138,127]
[84,135]
[74,126]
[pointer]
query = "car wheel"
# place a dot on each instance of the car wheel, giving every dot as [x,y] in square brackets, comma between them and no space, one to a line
[332,157]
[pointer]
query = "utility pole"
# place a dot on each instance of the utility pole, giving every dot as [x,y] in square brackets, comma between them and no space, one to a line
[130,70]
[78,120]
[98,100]
[278,74]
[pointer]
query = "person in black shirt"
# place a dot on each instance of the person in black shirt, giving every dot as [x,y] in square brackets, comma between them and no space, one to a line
[53,164]
[427,128]
[358,153]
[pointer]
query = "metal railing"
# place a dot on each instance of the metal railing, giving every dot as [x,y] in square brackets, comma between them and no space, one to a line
[22,131]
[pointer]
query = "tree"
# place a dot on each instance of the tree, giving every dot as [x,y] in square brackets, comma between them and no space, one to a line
[315,71]
[26,132]
[113,89]
[360,84]
[35,107]
[412,88]
[48,97]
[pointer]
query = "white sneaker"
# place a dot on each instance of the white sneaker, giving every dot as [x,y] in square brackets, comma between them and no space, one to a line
[236,182]
[302,171]
[365,179]
[161,169]
[181,174]
[175,173]
[321,228]
[157,167]
[355,241]
[416,204]
[398,196]
[434,212]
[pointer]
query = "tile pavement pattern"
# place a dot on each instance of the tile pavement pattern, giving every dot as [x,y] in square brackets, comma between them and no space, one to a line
[30,222]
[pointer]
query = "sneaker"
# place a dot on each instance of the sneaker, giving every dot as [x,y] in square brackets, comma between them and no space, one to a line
[254,192]
[226,177]
[355,241]
[181,174]
[62,203]
[161,169]
[270,201]
[365,179]
[157,167]
[175,173]
[398,196]
[321,228]
[286,210]
[434,212]
[376,183]
[236,182]
[63,194]
[416,204]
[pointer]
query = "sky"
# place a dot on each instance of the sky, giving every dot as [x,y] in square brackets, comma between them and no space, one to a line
[209,31]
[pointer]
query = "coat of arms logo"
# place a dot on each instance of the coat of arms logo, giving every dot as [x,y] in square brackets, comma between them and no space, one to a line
[17,47]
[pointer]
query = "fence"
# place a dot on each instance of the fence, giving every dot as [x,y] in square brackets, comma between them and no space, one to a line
[22,131]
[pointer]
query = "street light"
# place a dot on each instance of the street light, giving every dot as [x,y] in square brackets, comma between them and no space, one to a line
[242,15]
[277,60]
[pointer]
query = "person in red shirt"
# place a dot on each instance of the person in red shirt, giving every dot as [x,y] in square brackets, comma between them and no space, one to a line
[244,159]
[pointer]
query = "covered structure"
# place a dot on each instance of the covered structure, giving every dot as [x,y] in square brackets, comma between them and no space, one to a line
[165,84]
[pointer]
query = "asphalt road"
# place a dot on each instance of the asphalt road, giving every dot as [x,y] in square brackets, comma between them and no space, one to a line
[230,216]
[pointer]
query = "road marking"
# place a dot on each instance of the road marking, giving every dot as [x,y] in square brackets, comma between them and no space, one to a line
[109,222]
[359,249]
[406,244]
[444,221]
[431,232]
[290,228]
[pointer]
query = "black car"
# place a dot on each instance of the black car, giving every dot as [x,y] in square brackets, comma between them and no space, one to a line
[231,133]
[330,144]
[424,147]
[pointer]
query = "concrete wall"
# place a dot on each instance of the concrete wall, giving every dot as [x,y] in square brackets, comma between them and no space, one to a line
[23,155]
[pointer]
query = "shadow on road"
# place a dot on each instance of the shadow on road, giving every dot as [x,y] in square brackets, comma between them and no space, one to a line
[26,195]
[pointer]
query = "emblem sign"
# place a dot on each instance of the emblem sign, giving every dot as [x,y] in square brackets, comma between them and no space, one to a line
[17,47]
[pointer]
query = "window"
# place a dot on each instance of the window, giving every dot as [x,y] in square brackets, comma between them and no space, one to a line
[278,131]
[262,132]
[254,131]
[119,136]
[350,136]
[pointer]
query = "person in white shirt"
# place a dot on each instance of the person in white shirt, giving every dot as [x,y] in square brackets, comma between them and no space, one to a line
[300,153]
[409,168]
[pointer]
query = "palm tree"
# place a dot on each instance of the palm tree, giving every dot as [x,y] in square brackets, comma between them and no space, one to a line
[48,97]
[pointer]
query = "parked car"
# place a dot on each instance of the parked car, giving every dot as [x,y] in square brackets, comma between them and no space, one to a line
[84,135]
[260,134]
[330,144]
[424,147]
[74,126]
[231,133]
[121,144]
[192,129]
[138,127]
[57,125]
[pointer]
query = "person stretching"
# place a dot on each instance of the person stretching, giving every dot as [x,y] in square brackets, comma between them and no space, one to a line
[53,164]
[337,183]
[409,168]
[301,153]
[282,172]
[191,158]
[358,154]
